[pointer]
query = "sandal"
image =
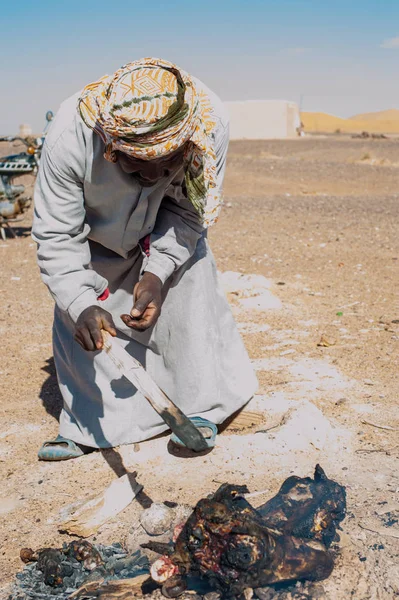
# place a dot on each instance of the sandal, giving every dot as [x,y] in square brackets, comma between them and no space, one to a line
[208,429]
[59,449]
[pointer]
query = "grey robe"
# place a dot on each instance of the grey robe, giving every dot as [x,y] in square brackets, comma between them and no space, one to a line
[89,219]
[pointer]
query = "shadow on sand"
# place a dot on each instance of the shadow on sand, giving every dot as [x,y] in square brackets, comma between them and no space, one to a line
[50,394]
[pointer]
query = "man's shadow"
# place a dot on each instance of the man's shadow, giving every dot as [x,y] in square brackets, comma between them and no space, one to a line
[50,394]
[51,398]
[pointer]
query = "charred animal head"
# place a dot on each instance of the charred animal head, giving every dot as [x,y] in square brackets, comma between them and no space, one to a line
[234,546]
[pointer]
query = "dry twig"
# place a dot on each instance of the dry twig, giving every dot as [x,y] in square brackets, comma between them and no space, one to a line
[381,531]
[387,427]
[279,423]
[386,451]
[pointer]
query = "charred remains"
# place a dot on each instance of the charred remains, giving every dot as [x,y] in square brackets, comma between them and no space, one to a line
[225,545]
[234,546]
[52,573]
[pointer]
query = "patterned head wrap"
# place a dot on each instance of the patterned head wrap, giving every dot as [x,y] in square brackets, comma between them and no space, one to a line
[148,109]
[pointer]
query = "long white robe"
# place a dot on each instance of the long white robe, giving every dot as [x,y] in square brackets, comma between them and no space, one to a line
[89,219]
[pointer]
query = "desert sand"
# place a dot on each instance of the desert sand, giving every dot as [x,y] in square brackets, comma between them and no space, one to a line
[307,246]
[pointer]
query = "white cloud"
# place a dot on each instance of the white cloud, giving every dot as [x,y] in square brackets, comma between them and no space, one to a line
[391,43]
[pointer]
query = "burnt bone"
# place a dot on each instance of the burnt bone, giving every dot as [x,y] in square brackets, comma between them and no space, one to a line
[49,562]
[159,547]
[234,546]
[85,553]
[27,555]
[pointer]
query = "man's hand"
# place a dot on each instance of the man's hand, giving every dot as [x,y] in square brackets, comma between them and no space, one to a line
[147,303]
[88,327]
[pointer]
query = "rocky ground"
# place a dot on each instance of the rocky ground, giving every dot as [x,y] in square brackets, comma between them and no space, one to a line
[308,251]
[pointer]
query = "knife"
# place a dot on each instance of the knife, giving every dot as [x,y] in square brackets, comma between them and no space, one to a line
[134,371]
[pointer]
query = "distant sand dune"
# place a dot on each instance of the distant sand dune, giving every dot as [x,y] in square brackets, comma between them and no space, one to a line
[391,114]
[385,121]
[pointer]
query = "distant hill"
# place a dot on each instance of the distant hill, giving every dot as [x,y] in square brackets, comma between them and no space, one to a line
[392,114]
[386,121]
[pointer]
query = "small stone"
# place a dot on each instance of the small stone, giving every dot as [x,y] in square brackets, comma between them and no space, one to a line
[248,593]
[326,341]
[174,587]
[212,596]
[265,593]
[341,401]
[316,591]
[181,513]
[368,382]
[157,519]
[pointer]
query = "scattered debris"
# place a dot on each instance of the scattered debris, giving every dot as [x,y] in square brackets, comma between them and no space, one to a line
[326,341]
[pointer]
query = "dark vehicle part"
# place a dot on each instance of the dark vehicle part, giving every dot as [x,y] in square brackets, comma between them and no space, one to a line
[13,202]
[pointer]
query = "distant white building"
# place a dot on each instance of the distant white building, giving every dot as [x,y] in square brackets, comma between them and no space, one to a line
[263,119]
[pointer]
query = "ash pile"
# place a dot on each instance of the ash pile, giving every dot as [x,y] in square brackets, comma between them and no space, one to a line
[52,573]
[225,548]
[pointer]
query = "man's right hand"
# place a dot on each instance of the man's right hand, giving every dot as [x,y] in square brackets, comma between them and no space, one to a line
[88,327]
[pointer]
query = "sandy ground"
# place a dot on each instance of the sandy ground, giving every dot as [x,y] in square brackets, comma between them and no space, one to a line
[307,246]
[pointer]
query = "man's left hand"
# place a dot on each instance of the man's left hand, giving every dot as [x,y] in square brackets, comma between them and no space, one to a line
[147,303]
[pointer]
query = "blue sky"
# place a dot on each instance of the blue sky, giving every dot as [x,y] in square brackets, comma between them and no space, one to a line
[341,57]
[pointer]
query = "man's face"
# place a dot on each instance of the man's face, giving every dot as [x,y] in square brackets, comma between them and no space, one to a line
[148,172]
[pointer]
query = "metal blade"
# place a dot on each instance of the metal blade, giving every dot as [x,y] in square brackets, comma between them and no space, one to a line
[134,371]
